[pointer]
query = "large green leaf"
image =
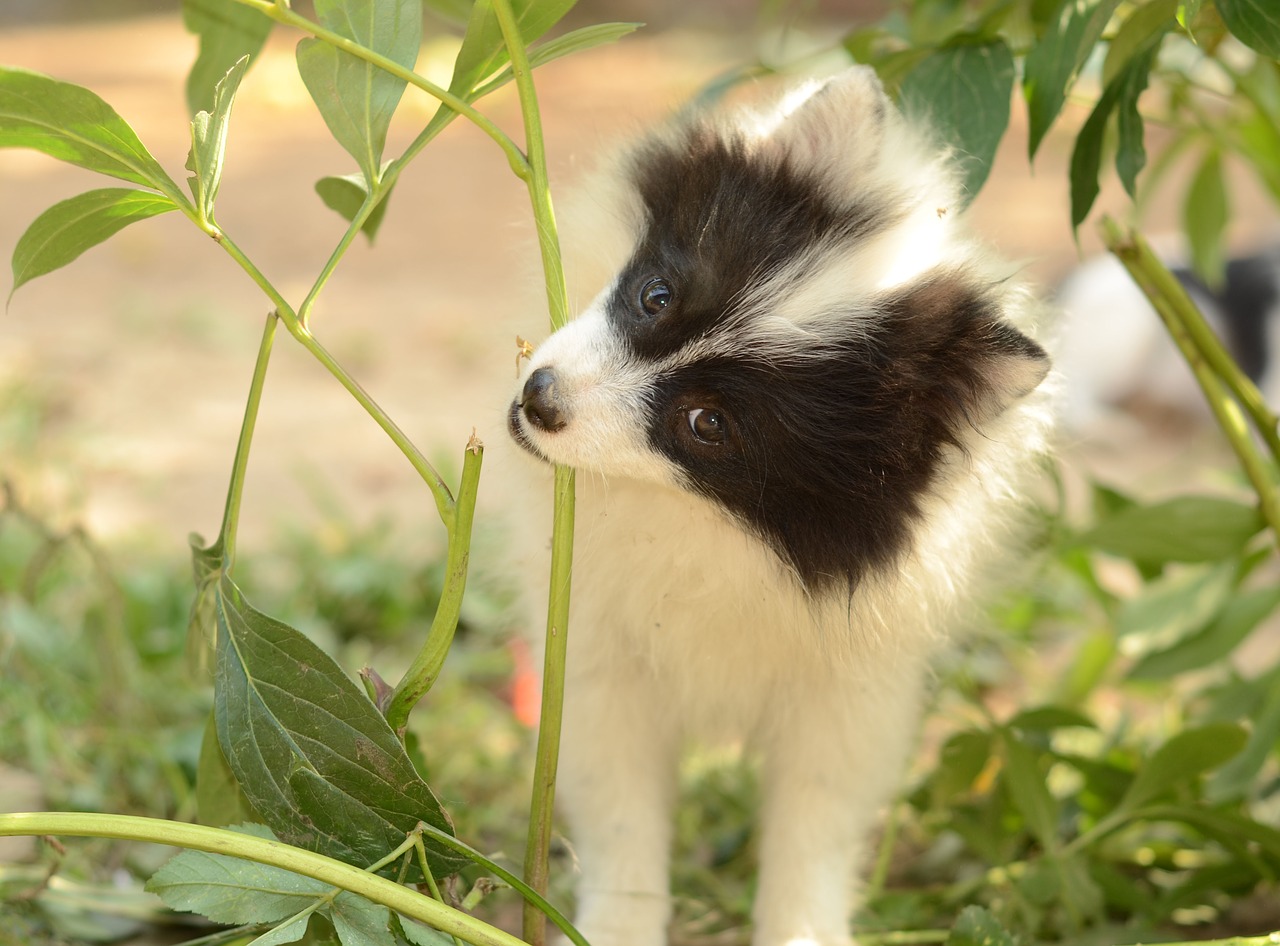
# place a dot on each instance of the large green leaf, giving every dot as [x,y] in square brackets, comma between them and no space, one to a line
[1131,152]
[347,195]
[1204,218]
[1173,606]
[963,91]
[219,799]
[355,97]
[1055,61]
[1239,617]
[228,32]
[1187,529]
[312,754]
[1184,757]
[74,125]
[483,51]
[209,140]
[68,228]
[1256,23]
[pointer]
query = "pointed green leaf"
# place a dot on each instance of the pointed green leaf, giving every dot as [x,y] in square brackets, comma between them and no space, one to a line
[356,98]
[1204,218]
[963,91]
[1054,63]
[1256,23]
[1187,11]
[1184,757]
[312,754]
[234,891]
[587,37]
[483,52]
[347,195]
[420,935]
[1030,794]
[1086,157]
[1241,615]
[68,228]
[1131,152]
[360,922]
[219,800]
[209,140]
[228,32]
[289,932]
[1143,29]
[74,125]
[1233,780]
[1187,529]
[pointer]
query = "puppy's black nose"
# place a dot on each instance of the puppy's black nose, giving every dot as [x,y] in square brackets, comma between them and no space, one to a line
[541,403]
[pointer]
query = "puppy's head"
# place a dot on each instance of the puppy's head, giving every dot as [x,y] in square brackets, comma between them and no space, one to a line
[797,333]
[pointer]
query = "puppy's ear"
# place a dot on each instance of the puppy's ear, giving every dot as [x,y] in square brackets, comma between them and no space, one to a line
[838,119]
[951,335]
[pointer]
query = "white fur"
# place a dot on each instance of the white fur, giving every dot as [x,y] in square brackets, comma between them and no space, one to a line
[685,627]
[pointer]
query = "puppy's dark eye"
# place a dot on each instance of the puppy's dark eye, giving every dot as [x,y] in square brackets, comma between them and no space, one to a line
[707,425]
[656,296]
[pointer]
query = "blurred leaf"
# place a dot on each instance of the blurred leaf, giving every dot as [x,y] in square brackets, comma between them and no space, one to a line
[209,140]
[1054,63]
[1233,780]
[1173,606]
[228,32]
[1256,23]
[961,761]
[483,51]
[68,228]
[234,891]
[1131,153]
[1204,218]
[1030,794]
[1187,11]
[355,97]
[963,91]
[1240,616]
[1045,718]
[1188,529]
[977,926]
[347,195]
[1185,756]
[219,800]
[1086,157]
[312,754]
[1141,31]
[72,124]
[454,12]
[579,40]
[1224,826]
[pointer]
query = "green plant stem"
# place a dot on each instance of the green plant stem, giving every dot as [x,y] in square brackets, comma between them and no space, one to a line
[281,13]
[537,850]
[263,851]
[235,491]
[425,668]
[1214,369]
[903,937]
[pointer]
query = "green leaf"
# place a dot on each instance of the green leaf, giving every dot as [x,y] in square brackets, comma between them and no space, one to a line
[977,926]
[360,922]
[68,228]
[1174,606]
[219,800]
[228,32]
[1256,23]
[1047,718]
[1131,153]
[961,761]
[1188,529]
[420,935]
[1140,32]
[355,97]
[1204,218]
[1086,157]
[483,52]
[587,37]
[1054,63]
[1238,618]
[963,91]
[1233,780]
[1027,788]
[312,754]
[289,932]
[72,124]
[1187,755]
[209,140]
[234,891]
[1187,11]
[347,195]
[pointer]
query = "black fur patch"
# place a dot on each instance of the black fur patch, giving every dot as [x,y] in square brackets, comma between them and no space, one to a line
[828,459]
[718,221]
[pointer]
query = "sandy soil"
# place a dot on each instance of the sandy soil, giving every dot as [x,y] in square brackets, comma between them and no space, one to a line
[135,360]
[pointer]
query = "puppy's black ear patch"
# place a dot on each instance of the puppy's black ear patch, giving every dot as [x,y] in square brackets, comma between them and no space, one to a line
[954,355]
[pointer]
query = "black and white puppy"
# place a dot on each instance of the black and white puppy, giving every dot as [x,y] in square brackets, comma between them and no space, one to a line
[804,404]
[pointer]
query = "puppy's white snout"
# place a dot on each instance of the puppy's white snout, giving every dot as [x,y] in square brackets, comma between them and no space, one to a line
[540,401]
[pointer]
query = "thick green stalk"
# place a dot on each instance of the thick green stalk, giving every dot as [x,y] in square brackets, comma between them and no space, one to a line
[401,899]
[424,670]
[231,512]
[1225,386]
[536,863]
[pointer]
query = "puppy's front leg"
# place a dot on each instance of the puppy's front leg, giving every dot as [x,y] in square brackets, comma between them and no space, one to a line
[833,757]
[617,765]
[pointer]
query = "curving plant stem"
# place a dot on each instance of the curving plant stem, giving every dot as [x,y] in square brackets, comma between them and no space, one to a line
[1230,394]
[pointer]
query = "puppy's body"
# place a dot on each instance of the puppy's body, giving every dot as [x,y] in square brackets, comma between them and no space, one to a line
[802,404]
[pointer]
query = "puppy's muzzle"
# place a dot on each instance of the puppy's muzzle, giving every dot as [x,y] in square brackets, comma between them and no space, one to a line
[540,401]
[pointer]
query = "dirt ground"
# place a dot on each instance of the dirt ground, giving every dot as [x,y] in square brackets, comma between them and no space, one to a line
[134,362]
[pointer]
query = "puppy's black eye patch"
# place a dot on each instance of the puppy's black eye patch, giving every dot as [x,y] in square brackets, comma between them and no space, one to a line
[655,296]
